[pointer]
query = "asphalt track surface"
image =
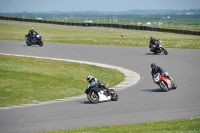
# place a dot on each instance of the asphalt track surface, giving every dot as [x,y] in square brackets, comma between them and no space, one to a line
[141,102]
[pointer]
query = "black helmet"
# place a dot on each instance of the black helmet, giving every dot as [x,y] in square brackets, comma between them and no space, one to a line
[151,38]
[153,66]
[89,78]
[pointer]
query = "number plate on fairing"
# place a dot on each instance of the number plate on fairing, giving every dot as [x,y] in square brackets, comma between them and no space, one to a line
[156,77]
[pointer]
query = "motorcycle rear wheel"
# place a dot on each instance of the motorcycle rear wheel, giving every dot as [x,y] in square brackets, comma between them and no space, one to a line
[174,86]
[93,97]
[29,44]
[114,95]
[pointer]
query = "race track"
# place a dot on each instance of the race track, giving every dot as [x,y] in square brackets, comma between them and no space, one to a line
[139,103]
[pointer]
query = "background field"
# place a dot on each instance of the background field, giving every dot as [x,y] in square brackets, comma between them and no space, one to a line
[171,19]
[13,30]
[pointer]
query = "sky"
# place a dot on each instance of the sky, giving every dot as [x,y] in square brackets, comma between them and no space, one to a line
[94,5]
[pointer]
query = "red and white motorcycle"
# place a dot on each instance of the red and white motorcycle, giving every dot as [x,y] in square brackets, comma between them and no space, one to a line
[165,83]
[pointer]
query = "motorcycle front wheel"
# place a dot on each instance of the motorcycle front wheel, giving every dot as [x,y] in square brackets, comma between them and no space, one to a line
[93,97]
[165,51]
[114,95]
[40,43]
[163,86]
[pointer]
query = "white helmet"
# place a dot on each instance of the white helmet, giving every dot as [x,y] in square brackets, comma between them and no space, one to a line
[89,78]
[32,29]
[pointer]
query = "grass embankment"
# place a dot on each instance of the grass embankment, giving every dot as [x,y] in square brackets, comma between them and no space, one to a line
[29,80]
[13,30]
[173,126]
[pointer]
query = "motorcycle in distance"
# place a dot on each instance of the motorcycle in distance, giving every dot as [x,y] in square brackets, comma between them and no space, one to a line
[165,83]
[158,48]
[37,40]
[97,94]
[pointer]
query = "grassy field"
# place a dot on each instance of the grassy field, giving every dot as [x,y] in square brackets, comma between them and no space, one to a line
[190,125]
[12,30]
[30,80]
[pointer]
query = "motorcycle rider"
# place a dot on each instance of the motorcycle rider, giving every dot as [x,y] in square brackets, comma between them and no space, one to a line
[31,33]
[91,79]
[158,69]
[152,43]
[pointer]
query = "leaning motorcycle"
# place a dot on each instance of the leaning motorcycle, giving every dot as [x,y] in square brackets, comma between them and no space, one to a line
[37,40]
[97,94]
[157,48]
[165,83]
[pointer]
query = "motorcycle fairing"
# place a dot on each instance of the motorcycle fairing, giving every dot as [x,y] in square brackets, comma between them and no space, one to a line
[103,97]
[101,93]
[169,83]
[158,77]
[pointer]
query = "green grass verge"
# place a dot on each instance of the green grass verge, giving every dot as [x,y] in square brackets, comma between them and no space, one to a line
[14,30]
[190,125]
[29,80]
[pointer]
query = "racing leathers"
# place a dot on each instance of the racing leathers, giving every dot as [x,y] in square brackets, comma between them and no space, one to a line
[158,69]
[31,35]
[99,84]
[152,43]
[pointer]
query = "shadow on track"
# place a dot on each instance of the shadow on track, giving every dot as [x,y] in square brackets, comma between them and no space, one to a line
[85,102]
[153,90]
[30,46]
[153,54]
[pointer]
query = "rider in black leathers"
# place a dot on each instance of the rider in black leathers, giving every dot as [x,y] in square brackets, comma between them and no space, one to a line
[31,33]
[98,83]
[152,42]
[157,69]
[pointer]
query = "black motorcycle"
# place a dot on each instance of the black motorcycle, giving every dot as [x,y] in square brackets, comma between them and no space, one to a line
[157,48]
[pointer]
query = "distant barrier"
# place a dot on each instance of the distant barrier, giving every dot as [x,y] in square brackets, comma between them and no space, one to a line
[123,26]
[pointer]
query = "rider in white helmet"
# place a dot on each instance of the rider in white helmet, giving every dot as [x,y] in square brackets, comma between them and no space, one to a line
[31,33]
[91,79]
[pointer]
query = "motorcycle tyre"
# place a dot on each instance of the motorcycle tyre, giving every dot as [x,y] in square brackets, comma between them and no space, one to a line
[92,100]
[174,86]
[41,44]
[165,52]
[165,89]
[114,96]
[29,44]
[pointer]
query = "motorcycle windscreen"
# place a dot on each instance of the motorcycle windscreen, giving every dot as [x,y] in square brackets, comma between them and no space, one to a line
[38,37]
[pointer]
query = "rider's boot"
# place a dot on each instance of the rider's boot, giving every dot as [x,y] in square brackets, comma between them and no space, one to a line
[149,46]
[152,49]
[108,90]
